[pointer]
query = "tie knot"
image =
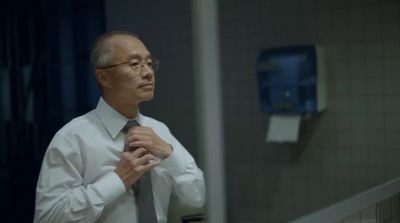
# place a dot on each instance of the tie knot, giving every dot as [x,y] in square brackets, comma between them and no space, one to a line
[129,124]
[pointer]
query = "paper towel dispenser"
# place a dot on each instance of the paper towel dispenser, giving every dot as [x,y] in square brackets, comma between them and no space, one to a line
[292,79]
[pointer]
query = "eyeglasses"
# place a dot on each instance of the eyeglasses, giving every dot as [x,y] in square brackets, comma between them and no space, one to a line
[138,65]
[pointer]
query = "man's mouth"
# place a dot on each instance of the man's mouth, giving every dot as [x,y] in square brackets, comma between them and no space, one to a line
[147,85]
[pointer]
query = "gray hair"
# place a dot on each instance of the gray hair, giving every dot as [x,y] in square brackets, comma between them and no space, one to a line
[101,54]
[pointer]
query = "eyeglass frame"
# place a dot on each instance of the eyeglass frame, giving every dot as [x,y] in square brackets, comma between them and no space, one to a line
[155,63]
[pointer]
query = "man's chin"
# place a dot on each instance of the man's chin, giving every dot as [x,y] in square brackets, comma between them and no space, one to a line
[146,98]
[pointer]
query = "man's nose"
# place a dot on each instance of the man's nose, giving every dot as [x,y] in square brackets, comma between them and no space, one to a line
[147,71]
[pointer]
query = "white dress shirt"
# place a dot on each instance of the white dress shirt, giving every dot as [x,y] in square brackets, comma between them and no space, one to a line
[77,182]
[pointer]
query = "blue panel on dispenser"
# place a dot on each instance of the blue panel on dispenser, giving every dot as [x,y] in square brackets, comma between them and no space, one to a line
[287,79]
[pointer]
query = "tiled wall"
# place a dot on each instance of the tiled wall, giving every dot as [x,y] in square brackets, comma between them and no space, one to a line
[386,211]
[354,145]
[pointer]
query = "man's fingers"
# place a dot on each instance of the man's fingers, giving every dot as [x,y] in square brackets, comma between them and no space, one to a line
[138,131]
[138,137]
[143,160]
[149,166]
[141,143]
[126,156]
[141,132]
[139,152]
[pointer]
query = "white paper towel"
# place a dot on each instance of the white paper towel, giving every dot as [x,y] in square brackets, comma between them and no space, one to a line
[283,128]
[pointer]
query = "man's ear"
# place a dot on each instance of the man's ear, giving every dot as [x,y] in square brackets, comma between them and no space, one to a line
[102,78]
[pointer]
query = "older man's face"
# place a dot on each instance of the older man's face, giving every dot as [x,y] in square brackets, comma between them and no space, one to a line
[127,84]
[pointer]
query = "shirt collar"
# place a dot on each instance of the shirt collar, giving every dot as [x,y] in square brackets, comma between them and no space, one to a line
[113,121]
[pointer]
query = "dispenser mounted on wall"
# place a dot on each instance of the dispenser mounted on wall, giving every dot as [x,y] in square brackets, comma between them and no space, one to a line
[292,85]
[292,80]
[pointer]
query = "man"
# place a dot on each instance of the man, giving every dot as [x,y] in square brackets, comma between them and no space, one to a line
[94,166]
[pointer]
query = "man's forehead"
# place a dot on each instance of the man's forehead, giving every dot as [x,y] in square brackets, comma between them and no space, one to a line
[128,45]
[132,56]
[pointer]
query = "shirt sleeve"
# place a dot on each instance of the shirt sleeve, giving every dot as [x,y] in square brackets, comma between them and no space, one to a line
[187,178]
[60,193]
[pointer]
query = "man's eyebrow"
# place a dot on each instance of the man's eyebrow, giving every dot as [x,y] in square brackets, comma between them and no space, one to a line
[137,56]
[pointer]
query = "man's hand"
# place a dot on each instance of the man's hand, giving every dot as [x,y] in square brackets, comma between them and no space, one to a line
[133,165]
[140,136]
